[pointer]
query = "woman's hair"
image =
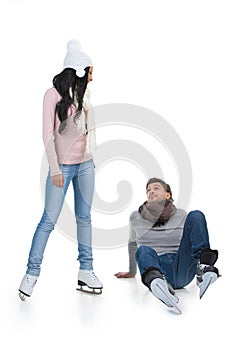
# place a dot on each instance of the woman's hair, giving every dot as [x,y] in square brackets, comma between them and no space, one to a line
[71,88]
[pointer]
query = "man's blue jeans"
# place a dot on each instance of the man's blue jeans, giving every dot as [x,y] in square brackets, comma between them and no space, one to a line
[179,268]
[82,176]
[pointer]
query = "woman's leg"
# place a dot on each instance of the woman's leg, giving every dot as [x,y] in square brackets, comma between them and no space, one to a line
[54,198]
[83,183]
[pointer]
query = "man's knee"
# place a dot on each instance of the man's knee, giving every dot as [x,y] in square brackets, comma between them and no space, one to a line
[195,215]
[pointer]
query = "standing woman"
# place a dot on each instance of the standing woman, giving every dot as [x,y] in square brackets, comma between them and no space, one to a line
[69,138]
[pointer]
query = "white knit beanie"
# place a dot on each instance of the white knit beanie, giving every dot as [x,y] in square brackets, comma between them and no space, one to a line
[76,58]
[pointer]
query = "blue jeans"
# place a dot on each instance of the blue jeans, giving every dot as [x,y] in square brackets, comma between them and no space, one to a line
[179,268]
[82,176]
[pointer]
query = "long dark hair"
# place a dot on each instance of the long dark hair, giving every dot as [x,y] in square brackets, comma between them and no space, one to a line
[70,87]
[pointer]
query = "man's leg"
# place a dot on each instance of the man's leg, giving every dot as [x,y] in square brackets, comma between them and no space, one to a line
[195,240]
[147,258]
[152,277]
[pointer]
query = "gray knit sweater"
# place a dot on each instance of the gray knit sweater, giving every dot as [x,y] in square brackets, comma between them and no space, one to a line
[163,239]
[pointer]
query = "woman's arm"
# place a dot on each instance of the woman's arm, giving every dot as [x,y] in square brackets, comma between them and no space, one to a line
[49,105]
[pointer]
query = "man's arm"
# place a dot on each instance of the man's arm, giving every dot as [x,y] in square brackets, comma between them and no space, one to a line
[132,247]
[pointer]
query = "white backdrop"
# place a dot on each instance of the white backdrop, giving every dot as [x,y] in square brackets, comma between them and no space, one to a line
[172,57]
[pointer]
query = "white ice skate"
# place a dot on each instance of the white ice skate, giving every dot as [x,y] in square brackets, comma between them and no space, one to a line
[206,275]
[26,286]
[161,291]
[88,282]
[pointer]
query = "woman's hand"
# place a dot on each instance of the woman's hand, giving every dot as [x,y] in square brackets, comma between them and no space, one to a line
[124,275]
[58,180]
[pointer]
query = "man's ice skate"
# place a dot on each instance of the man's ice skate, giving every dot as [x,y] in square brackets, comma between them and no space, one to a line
[163,292]
[26,286]
[155,281]
[207,273]
[88,282]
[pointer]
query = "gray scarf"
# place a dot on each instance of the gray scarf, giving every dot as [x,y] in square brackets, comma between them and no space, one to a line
[157,212]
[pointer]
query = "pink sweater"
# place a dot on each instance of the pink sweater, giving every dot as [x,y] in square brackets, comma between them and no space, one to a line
[66,148]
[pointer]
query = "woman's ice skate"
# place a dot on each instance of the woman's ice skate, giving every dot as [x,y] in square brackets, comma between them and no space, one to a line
[26,286]
[88,282]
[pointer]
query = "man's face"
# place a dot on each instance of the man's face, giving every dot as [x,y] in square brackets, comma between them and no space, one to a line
[156,193]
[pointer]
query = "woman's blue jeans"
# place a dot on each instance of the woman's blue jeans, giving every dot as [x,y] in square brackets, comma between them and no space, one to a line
[179,268]
[82,177]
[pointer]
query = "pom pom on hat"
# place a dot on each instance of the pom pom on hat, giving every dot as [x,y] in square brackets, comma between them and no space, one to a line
[76,58]
[73,45]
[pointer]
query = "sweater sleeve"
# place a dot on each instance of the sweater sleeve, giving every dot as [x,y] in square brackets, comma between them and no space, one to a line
[49,105]
[132,248]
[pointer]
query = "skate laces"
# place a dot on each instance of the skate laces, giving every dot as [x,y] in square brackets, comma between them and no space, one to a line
[201,269]
[92,275]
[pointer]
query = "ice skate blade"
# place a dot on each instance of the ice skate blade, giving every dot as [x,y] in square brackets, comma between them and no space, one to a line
[22,296]
[207,279]
[164,297]
[93,291]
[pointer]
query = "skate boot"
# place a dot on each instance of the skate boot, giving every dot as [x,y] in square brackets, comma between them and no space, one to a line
[159,287]
[88,282]
[206,272]
[26,286]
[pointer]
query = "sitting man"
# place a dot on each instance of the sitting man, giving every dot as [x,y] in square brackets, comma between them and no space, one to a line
[169,246]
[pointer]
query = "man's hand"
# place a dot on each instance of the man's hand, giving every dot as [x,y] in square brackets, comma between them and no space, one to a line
[58,180]
[124,275]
